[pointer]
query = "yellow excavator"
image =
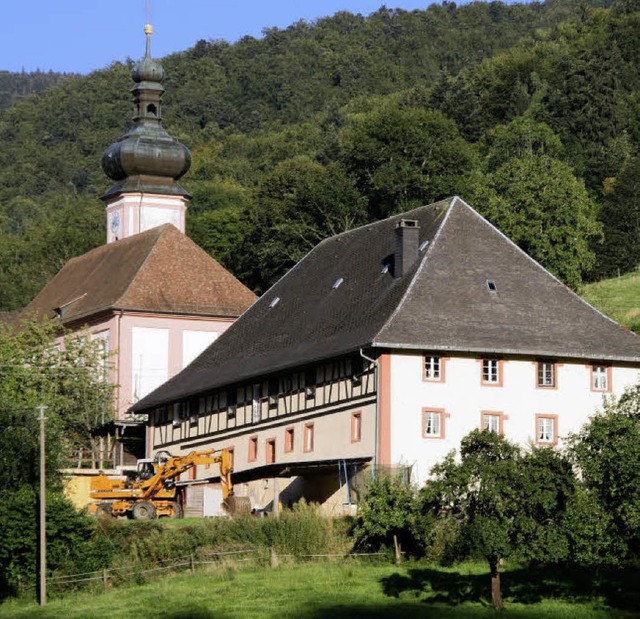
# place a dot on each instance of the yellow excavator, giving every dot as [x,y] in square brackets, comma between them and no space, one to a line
[151,493]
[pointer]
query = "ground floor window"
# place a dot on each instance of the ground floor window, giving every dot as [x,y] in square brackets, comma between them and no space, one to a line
[253,448]
[491,423]
[271,450]
[309,437]
[356,427]
[546,429]
[289,439]
[433,422]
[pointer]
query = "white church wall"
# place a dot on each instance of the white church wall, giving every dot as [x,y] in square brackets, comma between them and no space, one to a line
[149,360]
[150,349]
[194,342]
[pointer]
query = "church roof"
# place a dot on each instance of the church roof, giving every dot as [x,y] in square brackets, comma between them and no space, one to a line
[160,270]
[471,290]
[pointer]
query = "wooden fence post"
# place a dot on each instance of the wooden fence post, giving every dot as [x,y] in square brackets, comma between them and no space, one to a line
[396,547]
[105,577]
[273,558]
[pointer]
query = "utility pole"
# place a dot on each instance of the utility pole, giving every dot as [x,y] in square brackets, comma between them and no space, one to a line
[43,511]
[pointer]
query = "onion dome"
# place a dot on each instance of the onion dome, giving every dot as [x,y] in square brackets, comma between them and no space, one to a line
[147,159]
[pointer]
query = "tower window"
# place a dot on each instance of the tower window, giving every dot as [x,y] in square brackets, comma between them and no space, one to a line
[152,110]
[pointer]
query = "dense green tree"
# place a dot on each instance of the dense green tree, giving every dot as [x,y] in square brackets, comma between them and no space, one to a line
[607,453]
[546,487]
[480,492]
[620,218]
[296,206]
[404,157]
[38,236]
[74,542]
[538,202]
[587,106]
[502,503]
[523,137]
[71,382]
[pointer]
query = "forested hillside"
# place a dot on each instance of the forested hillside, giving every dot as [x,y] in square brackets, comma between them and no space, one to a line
[17,86]
[529,112]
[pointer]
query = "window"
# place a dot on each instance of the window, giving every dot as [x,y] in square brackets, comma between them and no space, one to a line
[289,439]
[356,427]
[253,448]
[546,429]
[274,392]
[310,384]
[546,374]
[600,378]
[232,400]
[232,456]
[433,368]
[271,451]
[433,421]
[492,372]
[308,437]
[493,421]
[255,403]
[491,286]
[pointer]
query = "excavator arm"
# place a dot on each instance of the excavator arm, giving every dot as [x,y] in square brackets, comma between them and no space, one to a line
[177,465]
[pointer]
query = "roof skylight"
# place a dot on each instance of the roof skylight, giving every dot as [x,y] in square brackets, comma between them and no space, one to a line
[337,283]
[274,302]
[491,285]
[423,245]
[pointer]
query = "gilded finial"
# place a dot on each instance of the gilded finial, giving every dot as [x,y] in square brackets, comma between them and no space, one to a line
[148,30]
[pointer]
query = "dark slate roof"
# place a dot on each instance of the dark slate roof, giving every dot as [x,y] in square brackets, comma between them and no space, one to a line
[442,303]
[160,270]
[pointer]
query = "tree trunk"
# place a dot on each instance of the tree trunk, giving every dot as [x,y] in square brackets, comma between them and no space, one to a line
[496,593]
[92,442]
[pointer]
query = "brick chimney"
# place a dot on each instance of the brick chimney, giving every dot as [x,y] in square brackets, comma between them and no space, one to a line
[407,240]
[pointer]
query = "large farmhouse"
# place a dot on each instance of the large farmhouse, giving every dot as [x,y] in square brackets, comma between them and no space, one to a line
[383,347]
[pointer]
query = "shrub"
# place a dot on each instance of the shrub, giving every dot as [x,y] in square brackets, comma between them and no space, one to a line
[301,530]
[389,508]
[73,543]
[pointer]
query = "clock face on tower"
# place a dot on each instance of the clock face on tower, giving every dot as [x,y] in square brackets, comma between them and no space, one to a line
[115,222]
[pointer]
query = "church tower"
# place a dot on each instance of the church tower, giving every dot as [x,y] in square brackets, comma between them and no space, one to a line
[146,163]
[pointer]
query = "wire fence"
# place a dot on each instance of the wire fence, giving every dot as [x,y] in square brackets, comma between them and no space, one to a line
[113,575]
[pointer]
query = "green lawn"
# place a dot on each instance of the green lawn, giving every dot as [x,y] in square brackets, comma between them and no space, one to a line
[618,297]
[352,589]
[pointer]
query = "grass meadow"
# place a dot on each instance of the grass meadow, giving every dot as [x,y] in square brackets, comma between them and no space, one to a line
[351,589]
[618,298]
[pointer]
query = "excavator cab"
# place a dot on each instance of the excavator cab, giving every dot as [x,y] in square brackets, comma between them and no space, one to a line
[162,457]
[146,470]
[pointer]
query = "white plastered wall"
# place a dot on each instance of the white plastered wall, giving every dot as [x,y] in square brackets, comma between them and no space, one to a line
[463,399]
